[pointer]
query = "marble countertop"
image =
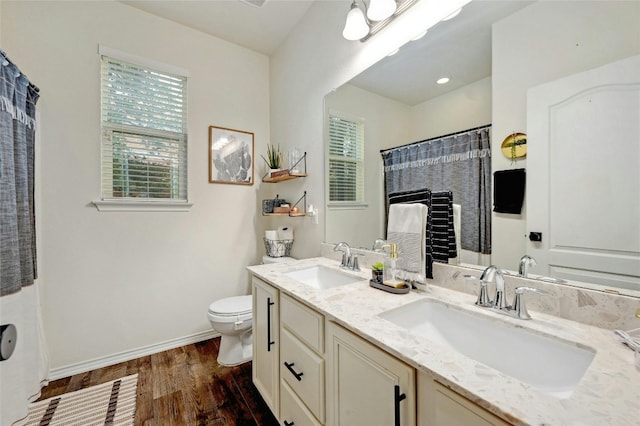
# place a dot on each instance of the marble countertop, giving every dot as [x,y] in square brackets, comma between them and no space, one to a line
[609,392]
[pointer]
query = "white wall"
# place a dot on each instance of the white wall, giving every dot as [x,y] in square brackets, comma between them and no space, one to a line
[386,124]
[538,44]
[116,282]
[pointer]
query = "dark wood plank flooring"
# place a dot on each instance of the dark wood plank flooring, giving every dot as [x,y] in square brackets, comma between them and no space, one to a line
[182,386]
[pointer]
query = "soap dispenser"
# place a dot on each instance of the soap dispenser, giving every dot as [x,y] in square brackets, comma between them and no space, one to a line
[389,275]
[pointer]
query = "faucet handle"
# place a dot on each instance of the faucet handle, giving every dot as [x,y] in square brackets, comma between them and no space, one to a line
[354,263]
[345,261]
[519,308]
[483,296]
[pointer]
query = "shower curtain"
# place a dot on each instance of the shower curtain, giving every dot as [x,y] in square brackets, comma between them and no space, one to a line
[460,163]
[24,366]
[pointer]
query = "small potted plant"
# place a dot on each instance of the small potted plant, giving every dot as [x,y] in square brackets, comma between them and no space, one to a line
[274,157]
[376,272]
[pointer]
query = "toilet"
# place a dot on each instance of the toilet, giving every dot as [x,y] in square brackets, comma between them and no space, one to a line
[231,317]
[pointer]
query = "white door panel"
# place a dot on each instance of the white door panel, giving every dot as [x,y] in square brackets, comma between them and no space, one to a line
[583,175]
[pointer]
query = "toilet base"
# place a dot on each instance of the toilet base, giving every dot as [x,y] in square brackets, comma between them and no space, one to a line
[235,349]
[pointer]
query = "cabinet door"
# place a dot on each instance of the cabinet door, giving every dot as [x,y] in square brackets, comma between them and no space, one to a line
[266,346]
[440,406]
[365,385]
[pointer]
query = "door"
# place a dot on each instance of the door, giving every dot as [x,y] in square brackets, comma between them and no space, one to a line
[266,346]
[583,175]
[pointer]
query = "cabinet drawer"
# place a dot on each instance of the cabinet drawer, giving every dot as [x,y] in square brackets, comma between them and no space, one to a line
[292,410]
[303,370]
[305,323]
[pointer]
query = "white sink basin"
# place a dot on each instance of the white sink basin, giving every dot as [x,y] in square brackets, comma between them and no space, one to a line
[549,364]
[322,277]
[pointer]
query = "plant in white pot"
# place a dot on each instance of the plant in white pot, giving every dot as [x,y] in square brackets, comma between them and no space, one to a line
[273,158]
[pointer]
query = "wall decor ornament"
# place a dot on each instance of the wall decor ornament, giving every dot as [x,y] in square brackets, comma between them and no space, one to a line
[514,146]
[230,156]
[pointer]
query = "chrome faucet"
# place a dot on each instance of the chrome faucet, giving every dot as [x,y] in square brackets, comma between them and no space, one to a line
[492,273]
[349,260]
[378,245]
[526,262]
[518,309]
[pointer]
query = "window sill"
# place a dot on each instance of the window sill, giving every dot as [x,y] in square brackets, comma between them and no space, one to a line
[141,206]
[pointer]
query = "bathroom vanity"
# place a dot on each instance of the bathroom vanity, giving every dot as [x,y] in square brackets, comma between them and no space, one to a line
[337,355]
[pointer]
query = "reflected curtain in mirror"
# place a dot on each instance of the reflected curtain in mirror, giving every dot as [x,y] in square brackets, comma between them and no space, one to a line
[460,163]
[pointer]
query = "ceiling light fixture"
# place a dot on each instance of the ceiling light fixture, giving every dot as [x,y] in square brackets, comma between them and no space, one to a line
[380,10]
[443,80]
[357,26]
[364,21]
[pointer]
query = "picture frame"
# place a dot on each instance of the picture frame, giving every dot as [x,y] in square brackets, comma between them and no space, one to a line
[231,156]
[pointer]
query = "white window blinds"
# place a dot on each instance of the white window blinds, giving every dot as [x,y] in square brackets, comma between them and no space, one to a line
[144,133]
[346,159]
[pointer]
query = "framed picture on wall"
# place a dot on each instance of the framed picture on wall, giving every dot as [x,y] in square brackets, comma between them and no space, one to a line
[230,156]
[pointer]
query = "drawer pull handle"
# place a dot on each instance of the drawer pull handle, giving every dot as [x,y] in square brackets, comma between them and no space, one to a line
[269,342]
[286,423]
[397,398]
[297,375]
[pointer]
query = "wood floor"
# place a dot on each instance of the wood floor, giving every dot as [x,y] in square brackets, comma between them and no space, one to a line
[183,386]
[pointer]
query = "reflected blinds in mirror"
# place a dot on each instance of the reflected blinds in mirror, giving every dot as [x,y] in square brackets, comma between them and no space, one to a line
[346,159]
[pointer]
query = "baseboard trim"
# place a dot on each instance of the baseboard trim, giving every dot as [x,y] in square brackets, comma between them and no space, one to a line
[82,367]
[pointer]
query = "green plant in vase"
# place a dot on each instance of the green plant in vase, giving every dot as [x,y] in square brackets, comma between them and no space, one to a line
[274,157]
[376,272]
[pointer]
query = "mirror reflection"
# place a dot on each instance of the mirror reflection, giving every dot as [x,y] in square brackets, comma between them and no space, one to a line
[397,102]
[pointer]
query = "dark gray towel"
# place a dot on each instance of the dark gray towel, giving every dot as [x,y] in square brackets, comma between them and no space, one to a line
[422,196]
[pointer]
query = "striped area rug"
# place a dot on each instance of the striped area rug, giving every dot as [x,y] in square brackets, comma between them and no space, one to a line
[111,403]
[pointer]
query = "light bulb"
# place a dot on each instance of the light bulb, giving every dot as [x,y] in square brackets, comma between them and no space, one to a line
[356,26]
[380,10]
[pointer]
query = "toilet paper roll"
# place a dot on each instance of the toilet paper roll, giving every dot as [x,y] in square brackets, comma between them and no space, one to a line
[8,339]
[271,235]
[285,233]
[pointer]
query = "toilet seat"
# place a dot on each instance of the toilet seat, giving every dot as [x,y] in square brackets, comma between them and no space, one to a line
[231,309]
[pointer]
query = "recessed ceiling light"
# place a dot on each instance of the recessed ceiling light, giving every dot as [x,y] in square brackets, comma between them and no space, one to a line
[443,80]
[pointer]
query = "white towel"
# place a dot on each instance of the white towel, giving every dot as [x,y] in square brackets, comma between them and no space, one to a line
[406,227]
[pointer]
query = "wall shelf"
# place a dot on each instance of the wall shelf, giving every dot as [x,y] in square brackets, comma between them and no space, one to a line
[282,178]
[288,174]
[302,209]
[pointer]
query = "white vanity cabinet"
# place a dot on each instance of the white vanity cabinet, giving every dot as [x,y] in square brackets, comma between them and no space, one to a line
[313,372]
[266,343]
[365,385]
[440,406]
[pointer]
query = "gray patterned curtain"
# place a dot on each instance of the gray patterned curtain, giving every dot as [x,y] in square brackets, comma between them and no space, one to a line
[460,163]
[18,97]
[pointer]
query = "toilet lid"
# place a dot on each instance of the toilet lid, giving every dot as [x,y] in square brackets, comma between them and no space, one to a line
[237,305]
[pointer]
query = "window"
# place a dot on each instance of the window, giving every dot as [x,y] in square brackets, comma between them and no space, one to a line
[144,133]
[346,159]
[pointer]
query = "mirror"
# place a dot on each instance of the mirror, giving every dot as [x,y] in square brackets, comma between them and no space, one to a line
[371,96]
